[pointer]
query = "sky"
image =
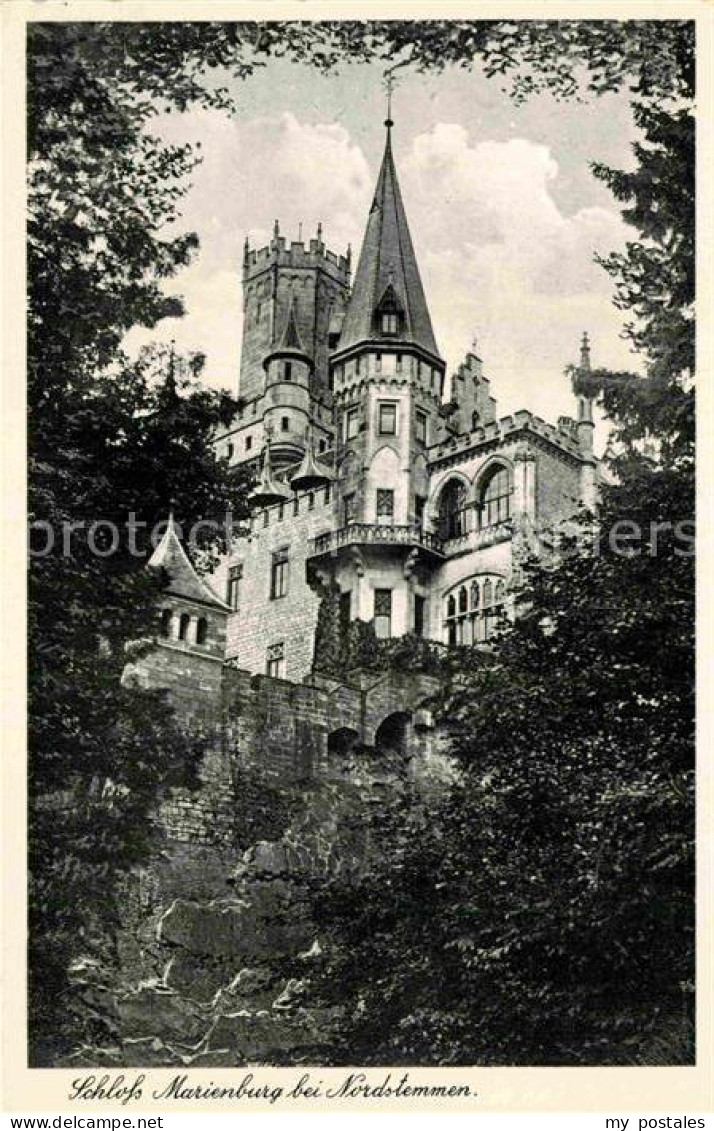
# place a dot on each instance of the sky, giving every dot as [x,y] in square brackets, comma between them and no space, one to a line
[504,211]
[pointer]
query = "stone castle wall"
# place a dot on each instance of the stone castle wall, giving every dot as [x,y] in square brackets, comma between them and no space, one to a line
[265,621]
[300,733]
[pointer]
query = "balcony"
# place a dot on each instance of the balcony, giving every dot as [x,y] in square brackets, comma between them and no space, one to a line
[368,534]
[470,540]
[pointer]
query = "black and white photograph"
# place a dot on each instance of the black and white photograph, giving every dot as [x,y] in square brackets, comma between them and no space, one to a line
[361,548]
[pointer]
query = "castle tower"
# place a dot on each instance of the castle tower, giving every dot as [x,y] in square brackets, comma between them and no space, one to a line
[387,382]
[311,280]
[189,647]
[287,401]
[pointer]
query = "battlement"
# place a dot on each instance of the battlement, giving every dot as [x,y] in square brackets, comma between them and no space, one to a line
[502,430]
[296,255]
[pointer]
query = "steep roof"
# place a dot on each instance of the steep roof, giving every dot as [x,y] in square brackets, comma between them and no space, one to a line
[289,343]
[183,579]
[387,260]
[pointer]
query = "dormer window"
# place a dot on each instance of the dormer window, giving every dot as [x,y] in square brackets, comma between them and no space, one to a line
[388,314]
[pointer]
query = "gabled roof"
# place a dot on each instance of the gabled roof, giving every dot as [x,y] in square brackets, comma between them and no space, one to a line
[387,260]
[183,579]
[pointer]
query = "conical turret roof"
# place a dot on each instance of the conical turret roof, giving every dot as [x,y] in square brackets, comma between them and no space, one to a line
[183,579]
[289,343]
[268,489]
[388,271]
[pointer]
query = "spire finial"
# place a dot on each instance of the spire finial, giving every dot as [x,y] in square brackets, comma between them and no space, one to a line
[300,231]
[389,84]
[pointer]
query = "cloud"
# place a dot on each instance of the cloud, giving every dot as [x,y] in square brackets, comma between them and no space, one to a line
[499,257]
[272,167]
[503,262]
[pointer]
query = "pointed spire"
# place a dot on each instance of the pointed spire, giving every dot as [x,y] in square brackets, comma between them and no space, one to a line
[290,343]
[387,246]
[183,579]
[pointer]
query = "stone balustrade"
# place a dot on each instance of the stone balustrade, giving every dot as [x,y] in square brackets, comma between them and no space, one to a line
[363,533]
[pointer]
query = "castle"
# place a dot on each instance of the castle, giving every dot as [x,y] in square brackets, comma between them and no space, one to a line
[412,505]
[403,498]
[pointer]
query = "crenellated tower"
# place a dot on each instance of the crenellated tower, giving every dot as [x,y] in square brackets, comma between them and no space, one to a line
[311,281]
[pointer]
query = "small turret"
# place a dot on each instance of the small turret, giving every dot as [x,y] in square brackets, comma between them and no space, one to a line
[311,473]
[286,414]
[585,424]
[269,490]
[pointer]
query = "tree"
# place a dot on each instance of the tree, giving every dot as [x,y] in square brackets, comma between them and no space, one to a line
[110,444]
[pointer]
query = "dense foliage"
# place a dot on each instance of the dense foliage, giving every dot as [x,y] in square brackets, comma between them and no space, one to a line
[110,444]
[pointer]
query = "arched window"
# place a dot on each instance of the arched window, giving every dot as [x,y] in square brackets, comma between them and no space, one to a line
[201,630]
[475,610]
[166,622]
[451,509]
[494,497]
[184,622]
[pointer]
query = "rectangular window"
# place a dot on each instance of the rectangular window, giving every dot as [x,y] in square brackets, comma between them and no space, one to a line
[385,503]
[284,423]
[248,443]
[350,505]
[275,665]
[279,574]
[383,613]
[351,423]
[288,371]
[387,419]
[420,427]
[389,323]
[419,609]
[235,574]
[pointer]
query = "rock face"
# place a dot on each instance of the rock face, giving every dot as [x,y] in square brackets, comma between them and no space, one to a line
[217,944]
